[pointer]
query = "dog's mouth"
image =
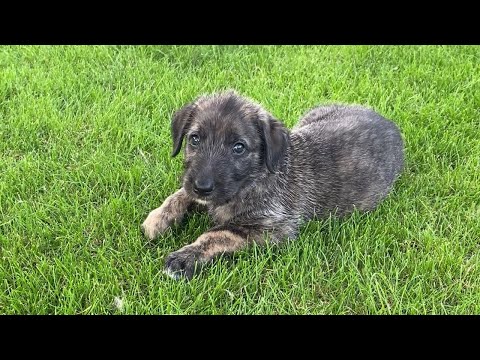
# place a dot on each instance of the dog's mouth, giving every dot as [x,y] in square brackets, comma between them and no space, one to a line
[201,201]
[201,198]
[211,200]
[217,197]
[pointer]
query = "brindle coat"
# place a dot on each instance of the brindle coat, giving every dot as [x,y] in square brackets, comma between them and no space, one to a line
[256,177]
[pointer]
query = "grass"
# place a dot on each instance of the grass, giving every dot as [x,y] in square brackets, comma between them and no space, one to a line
[85,155]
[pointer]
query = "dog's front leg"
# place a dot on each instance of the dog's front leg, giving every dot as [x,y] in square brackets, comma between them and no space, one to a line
[171,212]
[219,240]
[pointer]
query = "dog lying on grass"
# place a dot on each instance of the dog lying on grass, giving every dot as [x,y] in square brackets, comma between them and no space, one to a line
[255,177]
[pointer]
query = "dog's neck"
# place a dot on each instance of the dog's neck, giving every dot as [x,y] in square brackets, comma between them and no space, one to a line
[263,189]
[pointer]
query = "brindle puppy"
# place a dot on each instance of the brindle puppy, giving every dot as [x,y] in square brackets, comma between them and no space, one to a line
[256,177]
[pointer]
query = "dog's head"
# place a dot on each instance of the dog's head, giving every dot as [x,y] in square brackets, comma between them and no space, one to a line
[230,142]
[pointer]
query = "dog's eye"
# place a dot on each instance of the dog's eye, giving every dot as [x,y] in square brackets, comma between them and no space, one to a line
[194,139]
[238,148]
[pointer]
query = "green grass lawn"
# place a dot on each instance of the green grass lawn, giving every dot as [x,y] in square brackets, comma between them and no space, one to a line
[85,155]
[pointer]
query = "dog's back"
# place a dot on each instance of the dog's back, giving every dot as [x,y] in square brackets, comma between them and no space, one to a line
[345,157]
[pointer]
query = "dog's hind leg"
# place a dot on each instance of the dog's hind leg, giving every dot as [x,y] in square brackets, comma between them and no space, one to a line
[223,239]
[171,212]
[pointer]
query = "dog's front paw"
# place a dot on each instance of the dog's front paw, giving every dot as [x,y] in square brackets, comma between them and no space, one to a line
[155,224]
[184,262]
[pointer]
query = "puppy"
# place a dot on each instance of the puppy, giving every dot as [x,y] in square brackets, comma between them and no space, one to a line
[257,178]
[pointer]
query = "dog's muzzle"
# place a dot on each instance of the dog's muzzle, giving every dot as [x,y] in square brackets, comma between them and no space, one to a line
[203,187]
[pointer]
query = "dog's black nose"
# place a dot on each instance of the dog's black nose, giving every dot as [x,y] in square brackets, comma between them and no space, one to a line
[203,186]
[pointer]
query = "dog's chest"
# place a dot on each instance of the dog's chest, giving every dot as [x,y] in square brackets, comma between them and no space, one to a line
[267,213]
[222,214]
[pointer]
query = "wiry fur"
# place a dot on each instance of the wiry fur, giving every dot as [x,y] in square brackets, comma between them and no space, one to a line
[337,158]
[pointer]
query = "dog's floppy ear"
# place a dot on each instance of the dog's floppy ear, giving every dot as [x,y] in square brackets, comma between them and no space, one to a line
[275,141]
[180,123]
